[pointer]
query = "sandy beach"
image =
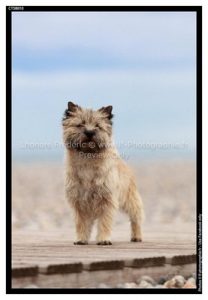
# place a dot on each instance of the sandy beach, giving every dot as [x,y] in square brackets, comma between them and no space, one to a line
[167,188]
[40,213]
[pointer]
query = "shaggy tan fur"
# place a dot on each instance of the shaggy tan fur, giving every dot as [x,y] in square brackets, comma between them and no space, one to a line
[98,182]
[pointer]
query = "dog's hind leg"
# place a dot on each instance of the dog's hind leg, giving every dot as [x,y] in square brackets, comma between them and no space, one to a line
[133,207]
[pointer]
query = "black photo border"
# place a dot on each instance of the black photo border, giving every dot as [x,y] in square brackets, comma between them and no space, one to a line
[11,10]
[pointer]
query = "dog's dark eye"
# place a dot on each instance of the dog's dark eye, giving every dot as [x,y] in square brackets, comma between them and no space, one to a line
[97,125]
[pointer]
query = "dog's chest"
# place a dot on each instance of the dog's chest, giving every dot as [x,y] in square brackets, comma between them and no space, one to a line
[87,176]
[89,187]
[89,182]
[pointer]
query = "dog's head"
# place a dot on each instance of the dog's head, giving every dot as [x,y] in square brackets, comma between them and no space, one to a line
[87,130]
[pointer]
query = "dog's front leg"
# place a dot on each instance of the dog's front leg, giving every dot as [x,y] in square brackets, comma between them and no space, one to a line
[83,229]
[105,222]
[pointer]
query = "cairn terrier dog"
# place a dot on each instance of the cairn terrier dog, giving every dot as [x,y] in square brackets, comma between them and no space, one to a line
[98,182]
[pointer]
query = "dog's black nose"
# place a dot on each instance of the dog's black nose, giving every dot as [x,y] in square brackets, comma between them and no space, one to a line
[89,133]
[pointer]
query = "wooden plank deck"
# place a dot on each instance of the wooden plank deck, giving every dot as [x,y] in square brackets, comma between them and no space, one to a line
[39,256]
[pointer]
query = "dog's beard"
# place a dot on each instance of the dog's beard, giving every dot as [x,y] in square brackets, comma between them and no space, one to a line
[84,144]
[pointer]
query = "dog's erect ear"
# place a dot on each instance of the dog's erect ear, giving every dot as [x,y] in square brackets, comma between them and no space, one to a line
[72,106]
[108,111]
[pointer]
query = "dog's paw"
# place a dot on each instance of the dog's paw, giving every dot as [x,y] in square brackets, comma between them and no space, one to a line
[104,243]
[81,243]
[136,240]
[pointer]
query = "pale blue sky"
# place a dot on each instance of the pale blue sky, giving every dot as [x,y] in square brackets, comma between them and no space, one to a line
[141,63]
